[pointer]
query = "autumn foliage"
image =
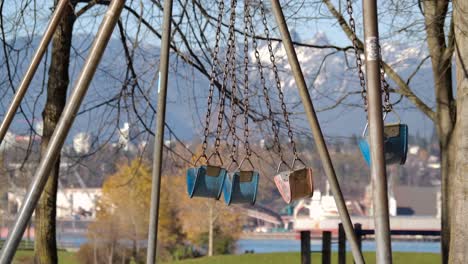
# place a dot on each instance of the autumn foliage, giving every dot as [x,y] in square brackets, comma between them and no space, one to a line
[121,228]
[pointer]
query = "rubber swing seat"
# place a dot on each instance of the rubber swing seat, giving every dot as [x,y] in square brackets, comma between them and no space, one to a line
[294,185]
[205,181]
[395,145]
[241,187]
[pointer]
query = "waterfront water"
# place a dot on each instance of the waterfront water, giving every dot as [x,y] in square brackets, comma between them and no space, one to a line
[282,245]
[292,245]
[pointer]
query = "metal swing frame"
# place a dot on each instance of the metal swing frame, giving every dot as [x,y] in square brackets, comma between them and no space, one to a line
[378,172]
[66,119]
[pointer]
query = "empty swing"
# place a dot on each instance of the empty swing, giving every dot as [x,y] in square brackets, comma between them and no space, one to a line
[395,134]
[207,180]
[395,143]
[294,183]
[240,185]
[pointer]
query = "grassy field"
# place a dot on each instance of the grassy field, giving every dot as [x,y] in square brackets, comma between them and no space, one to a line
[23,257]
[281,258]
[26,257]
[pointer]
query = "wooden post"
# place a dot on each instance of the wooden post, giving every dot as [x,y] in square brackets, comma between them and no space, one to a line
[358,232]
[305,247]
[341,245]
[326,247]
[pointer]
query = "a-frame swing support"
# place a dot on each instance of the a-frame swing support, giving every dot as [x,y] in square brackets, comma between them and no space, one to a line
[82,84]
[60,133]
[158,141]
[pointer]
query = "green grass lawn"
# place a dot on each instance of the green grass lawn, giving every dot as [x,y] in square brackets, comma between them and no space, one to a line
[26,257]
[23,257]
[281,258]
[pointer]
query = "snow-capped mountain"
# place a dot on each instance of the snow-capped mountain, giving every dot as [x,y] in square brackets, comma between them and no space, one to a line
[330,75]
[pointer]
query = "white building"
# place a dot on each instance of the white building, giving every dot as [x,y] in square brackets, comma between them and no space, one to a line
[127,135]
[79,202]
[8,141]
[82,143]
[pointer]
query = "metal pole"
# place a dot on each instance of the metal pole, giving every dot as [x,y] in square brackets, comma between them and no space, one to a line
[61,132]
[376,139]
[316,130]
[158,141]
[26,81]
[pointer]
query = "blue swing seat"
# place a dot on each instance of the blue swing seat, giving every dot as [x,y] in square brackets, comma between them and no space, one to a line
[205,181]
[241,187]
[395,145]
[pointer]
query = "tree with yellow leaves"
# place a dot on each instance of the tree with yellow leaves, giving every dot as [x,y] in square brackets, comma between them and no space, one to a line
[122,218]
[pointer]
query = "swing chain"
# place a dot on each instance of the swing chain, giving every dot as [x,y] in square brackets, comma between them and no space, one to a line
[225,76]
[274,128]
[233,120]
[357,53]
[387,105]
[246,79]
[277,79]
[215,62]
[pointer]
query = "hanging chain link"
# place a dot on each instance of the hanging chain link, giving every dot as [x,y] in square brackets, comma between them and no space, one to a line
[387,105]
[233,120]
[214,62]
[246,79]
[277,80]
[225,76]
[274,128]
[357,53]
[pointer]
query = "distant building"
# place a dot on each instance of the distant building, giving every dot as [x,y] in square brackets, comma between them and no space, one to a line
[39,127]
[8,141]
[82,143]
[127,135]
[414,200]
[77,202]
[26,139]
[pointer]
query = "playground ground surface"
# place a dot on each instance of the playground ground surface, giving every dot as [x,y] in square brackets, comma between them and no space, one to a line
[270,258]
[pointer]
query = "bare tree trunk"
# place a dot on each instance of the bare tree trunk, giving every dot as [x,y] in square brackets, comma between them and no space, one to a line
[46,244]
[447,154]
[441,50]
[95,250]
[134,251]
[111,253]
[459,222]
[210,231]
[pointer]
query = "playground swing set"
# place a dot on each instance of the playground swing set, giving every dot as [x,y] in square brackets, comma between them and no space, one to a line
[241,186]
[210,179]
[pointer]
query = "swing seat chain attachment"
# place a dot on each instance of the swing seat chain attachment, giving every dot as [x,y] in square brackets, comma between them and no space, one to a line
[294,184]
[205,181]
[395,143]
[241,187]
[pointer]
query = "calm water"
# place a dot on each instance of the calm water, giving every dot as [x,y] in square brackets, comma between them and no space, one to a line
[292,245]
[284,245]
